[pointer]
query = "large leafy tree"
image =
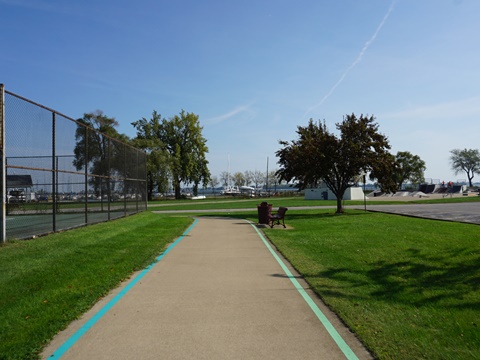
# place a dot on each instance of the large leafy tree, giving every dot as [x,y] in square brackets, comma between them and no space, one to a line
[319,155]
[180,142]
[398,169]
[384,172]
[466,160]
[409,168]
[95,150]
[148,139]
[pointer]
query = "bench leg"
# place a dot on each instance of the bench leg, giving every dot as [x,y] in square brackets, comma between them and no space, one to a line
[277,222]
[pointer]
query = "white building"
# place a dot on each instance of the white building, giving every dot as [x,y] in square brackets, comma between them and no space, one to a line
[324,193]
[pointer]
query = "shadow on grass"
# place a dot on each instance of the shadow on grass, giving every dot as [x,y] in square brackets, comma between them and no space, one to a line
[448,280]
[322,214]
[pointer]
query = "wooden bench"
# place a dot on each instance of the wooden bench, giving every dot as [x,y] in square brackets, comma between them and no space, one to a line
[279,216]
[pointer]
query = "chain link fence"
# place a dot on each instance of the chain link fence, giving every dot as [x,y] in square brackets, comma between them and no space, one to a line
[60,174]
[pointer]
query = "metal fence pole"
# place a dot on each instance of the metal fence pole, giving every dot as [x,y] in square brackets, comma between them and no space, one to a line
[125,180]
[137,183]
[146,181]
[109,195]
[54,176]
[3,177]
[86,176]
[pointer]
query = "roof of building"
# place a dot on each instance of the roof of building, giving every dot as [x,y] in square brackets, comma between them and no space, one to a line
[19,181]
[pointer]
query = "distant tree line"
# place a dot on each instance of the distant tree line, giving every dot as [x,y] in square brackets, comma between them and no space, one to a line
[176,154]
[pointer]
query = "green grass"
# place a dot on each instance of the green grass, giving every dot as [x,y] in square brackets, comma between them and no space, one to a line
[50,281]
[409,288]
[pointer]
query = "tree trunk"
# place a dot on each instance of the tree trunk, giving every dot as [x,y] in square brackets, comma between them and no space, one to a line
[339,194]
[151,186]
[177,191]
[339,205]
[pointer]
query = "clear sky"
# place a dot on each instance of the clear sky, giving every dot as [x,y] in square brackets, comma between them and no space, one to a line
[254,70]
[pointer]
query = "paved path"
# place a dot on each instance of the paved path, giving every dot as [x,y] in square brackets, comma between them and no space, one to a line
[220,292]
[468,212]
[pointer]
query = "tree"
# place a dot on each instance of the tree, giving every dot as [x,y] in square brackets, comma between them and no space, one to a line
[409,168]
[181,142]
[214,182]
[319,155]
[248,177]
[148,139]
[383,172]
[398,169]
[225,178]
[238,179]
[466,160]
[273,179]
[94,149]
[258,178]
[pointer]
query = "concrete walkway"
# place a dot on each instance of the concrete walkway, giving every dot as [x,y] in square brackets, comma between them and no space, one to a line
[220,292]
[467,212]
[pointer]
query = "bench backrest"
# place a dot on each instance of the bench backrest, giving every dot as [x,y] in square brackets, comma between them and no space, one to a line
[281,211]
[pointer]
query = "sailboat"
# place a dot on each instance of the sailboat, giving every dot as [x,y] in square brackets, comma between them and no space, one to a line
[228,189]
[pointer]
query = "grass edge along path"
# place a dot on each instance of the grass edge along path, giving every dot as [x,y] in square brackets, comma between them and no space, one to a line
[48,282]
[409,288]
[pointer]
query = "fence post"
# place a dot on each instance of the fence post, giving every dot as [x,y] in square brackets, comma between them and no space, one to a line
[145,205]
[109,195]
[54,175]
[125,180]
[137,185]
[85,185]
[3,177]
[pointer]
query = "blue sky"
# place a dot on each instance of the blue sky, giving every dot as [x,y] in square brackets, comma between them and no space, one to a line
[255,70]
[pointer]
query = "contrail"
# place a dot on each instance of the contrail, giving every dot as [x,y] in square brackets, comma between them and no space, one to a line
[357,60]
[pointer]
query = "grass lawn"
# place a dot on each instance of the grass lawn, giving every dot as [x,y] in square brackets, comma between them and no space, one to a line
[48,282]
[409,288]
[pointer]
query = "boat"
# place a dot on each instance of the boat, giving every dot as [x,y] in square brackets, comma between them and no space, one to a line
[231,190]
[198,197]
[247,190]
